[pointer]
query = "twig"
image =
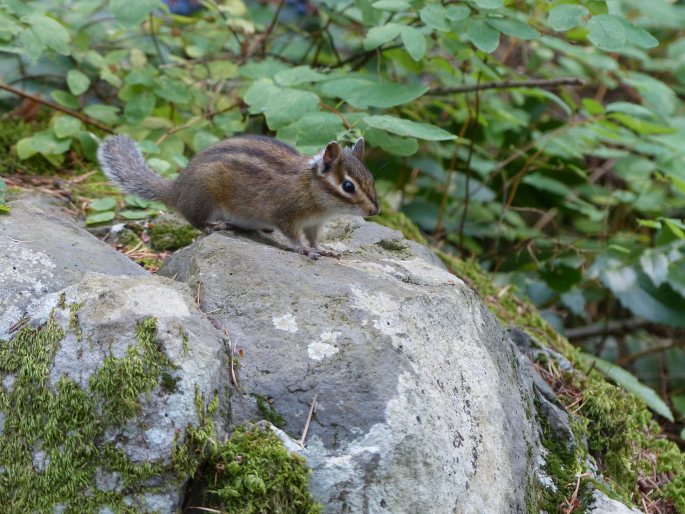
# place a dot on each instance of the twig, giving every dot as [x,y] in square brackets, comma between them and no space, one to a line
[154,39]
[57,107]
[347,124]
[309,420]
[613,327]
[197,295]
[195,120]
[472,143]
[232,353]
[271,27]
[510,84]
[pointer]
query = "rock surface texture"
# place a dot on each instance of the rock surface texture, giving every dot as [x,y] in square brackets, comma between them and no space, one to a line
[102,377]
[422,402]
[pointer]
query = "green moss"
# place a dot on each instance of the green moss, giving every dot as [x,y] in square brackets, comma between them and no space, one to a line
[169,236]
[74,324]
[52,445]
[11,131]
[120,382]
[268,412]
[253,473]
[562,464]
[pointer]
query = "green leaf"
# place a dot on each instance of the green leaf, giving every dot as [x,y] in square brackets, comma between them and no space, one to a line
[392,5]
[395,145]
[139,107]
[50,32]
[435,16]
[414,42]
[130,214]
[561,277]
[46,143]
[263,69]
[281,106]
[676,277]
[457,12]
[8,27]
[636,292]
[640,126]
[89,144]
[137,201]
[630,383]
[159,165]
[317,128]
[31,44]
[129,14]
[565,17]
[175,91]
[103,204]
[378,36]
[489,4]
[362,93]
[105,113]
[78,82]
[606,32]
[638,35]
[408,128]
[202,139]
[24,148]
[483,36]
[66,126]
[298,75]
[514,28]
[630,108]
[100,217]
[65,99]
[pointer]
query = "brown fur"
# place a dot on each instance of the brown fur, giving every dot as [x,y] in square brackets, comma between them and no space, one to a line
[257,182]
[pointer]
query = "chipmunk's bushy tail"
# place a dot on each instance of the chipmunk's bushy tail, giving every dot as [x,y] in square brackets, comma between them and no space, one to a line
[123,163]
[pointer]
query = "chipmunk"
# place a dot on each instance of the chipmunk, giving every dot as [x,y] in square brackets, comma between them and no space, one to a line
[255,183]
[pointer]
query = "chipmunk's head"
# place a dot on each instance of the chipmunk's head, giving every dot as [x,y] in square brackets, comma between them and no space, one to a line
[345,179]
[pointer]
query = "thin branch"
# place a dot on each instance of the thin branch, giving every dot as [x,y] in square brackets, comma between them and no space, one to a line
[57,107]
[472,143]
[195,120]
[510,84]
[309,420]
[347,124]
[271,27]
[628,359]
[154,39]
[611,328]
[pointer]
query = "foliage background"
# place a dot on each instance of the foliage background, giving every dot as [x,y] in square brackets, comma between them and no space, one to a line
[542,138]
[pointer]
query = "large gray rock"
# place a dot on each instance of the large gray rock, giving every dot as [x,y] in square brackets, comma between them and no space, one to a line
[423,403]
[102,378]
[41,253]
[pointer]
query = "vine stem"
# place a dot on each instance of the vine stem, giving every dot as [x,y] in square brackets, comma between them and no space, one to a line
[85,119]
[510,84]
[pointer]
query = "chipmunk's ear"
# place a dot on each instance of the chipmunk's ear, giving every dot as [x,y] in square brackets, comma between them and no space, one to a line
[358,149]
[330,154]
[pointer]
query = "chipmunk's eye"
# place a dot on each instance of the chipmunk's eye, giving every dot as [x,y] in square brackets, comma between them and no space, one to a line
[348,187]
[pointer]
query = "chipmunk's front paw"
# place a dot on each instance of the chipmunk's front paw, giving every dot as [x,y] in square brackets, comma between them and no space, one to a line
[312,253]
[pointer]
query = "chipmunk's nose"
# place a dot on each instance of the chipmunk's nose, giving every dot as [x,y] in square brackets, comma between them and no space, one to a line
[374,211]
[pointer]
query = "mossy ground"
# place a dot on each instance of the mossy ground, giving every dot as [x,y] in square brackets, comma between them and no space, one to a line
[620,430]
[53,446]
[253,473]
